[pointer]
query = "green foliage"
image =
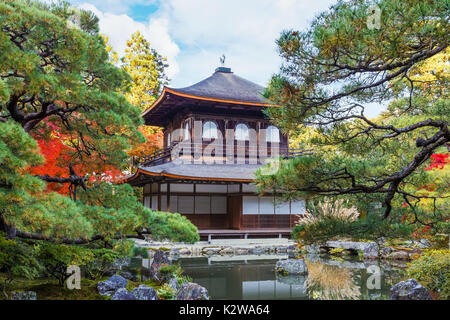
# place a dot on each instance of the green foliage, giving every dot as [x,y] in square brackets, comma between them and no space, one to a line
[166,225]
[101,264]
[140,251]
[17,260]
[55,258]
[63,71]
[432,269]
[371,228]
[165,292]
[170,271]
[338,68]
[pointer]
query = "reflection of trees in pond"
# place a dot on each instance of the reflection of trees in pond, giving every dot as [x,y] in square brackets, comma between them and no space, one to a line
[327,282]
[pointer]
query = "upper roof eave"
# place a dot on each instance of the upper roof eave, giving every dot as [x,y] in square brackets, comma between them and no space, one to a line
[186,95]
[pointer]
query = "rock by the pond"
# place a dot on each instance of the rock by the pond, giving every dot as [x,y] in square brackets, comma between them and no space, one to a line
[211,250]
[425,243]
[258,251]
[409,290]
[185,251]
[123,294]
[281,249]
[312,249]
[159,259]
[192,291]
[241,251]
[381,241]
[291,266]
[23,295]
[108,287]
[173,283]
[144,292]
[369,249]
[227,250]
[398,255]
[384,252]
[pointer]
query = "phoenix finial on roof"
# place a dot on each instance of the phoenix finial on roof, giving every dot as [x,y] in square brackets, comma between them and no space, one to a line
[222,60]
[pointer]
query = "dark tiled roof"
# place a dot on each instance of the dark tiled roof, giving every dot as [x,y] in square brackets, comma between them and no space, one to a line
[225,85]
[216,171]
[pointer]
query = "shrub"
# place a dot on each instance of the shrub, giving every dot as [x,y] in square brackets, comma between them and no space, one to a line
[432,269]
[55,258]
[165,292]
[140,251]
[102,263]
[17,259]
[173,226]
[372,228]
[170,271]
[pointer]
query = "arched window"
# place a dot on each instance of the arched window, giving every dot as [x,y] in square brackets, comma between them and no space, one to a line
[241,132]
[168,140]
[272,134]
[187,134]
[209,130]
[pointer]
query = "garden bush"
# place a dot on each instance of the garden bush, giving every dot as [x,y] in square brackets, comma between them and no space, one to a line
[173,226]
[432,270]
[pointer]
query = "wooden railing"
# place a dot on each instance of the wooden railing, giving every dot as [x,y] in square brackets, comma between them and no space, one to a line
[165,155]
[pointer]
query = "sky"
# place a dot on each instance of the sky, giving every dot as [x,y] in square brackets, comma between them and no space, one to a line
[193,34]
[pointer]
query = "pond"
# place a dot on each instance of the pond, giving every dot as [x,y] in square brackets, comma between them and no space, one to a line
[329,278]
[256,279]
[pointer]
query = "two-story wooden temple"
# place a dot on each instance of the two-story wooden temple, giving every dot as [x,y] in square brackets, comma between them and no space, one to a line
[216,136]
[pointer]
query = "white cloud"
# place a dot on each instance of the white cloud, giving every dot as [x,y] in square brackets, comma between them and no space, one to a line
[119,27]
[245,31]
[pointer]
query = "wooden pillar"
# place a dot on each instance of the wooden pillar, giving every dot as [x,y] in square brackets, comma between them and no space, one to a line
[151,196]
[168,197]
[159,196]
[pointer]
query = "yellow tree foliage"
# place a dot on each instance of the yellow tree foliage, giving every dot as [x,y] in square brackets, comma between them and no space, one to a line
[146,68]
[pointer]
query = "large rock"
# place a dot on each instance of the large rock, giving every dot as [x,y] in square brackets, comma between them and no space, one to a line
[185,251]
[123,294]
[144,292]
[211,250]
[108,287]
[369,249]
[399,255]
[23,295]
[258,251]
[227,250]
[192,291]
[160,258]
[241,251]
[173,283]
[312,249]
[386,251]
[409,290]
[291,266]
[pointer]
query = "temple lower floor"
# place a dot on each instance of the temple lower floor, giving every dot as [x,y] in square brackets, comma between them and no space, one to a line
[223,206]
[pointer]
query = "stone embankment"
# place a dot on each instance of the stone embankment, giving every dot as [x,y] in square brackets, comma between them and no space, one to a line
[234,247]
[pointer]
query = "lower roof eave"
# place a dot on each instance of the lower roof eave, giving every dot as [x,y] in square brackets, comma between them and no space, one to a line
[134,179]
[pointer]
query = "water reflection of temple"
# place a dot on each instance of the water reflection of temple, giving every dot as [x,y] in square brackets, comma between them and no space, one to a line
[252,279]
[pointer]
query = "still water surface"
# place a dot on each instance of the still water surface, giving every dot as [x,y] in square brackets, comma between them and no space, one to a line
[327,279]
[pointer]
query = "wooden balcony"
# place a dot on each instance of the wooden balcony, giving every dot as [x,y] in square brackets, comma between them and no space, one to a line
[193,150]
